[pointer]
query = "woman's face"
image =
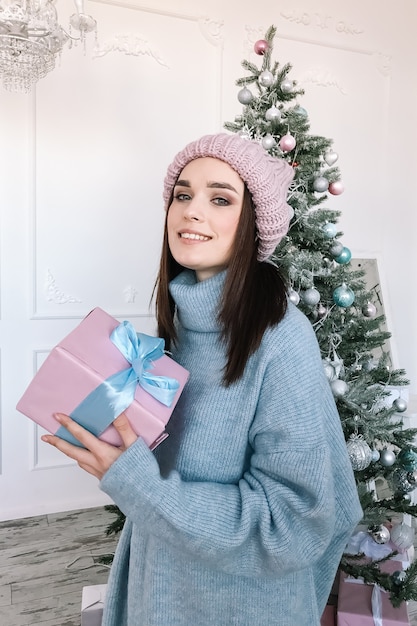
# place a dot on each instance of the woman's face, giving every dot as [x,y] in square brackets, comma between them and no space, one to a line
[204,214]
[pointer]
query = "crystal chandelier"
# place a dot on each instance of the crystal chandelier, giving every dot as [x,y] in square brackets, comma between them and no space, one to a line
[31,38]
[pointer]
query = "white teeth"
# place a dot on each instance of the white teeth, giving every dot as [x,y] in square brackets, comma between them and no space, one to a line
[194,236]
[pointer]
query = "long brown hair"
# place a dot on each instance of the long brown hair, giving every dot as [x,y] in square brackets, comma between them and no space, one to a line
[253,298]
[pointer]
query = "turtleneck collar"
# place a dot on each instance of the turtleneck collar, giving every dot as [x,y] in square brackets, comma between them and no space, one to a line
[197,302]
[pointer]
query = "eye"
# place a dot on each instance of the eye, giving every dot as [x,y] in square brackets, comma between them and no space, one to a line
[220,201]
[182,197]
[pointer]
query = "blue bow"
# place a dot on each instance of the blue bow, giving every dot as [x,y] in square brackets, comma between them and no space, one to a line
[98,410]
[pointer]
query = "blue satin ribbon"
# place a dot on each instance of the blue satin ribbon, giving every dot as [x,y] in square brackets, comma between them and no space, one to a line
[98,410]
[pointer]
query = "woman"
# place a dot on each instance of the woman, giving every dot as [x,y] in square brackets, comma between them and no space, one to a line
[241,516]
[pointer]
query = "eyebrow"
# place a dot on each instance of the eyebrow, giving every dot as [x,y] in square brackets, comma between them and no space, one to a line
[211,185]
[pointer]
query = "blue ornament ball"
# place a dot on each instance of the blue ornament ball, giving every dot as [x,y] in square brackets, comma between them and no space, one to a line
[329,229]
[344,257]
[375,455]
[343,296]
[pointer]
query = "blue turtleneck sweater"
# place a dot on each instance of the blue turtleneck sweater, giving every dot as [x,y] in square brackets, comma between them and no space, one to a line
[240,517]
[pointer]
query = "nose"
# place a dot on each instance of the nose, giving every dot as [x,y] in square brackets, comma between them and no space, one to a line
[193,211]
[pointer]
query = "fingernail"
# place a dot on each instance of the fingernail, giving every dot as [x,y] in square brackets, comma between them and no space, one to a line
[58,417]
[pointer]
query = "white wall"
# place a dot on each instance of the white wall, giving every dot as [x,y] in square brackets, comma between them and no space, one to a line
[82,161]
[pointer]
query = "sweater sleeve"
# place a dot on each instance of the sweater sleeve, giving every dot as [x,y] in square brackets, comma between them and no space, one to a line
[280,515]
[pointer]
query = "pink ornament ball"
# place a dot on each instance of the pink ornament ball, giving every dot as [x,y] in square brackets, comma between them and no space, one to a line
[261,47]
[287,143]
[336,188]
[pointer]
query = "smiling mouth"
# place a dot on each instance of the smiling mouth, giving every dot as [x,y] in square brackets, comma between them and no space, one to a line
[194,237]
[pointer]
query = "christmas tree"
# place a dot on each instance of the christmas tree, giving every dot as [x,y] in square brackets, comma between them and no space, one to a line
[333,295]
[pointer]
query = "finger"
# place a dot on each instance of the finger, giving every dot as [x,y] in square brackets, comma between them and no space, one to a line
[125,430]
[88,440]
[81,455]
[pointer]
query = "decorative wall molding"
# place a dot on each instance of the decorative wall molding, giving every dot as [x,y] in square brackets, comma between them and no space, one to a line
[322,21]
[36,461]
[131,45]
[211,30]
[322,77]
[383,63]
[54,294]
[130,294]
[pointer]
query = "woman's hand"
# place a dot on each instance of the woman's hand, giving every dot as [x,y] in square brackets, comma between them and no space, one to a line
[97,456]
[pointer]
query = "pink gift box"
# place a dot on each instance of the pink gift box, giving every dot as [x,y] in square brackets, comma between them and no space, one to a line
[355,602]
[79,364]
[329,616]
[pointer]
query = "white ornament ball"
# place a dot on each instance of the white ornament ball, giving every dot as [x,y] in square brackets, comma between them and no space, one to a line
[287,86]
[273,114]
[402,536]
[266,78]
[294,296]
[339,388]
[268,142]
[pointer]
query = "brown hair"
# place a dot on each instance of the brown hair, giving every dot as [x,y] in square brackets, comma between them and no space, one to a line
[253,299]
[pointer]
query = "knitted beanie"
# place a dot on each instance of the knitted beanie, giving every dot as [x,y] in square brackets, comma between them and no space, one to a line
[267,179]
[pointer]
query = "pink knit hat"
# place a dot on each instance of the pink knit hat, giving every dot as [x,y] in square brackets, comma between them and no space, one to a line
[267,179]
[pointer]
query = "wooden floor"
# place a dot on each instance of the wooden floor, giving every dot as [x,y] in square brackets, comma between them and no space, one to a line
[40,584]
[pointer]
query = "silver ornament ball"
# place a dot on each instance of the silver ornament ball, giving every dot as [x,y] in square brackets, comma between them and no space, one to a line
[245,96]
[369,310]
[360,454]
[400,405]
[273,114]
[386,457]
[320,184]
[268,142]
[336,248]
[380,534]
[311,296]
[402,536]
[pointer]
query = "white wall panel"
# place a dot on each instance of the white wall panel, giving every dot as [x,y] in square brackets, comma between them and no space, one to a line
[107,120]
